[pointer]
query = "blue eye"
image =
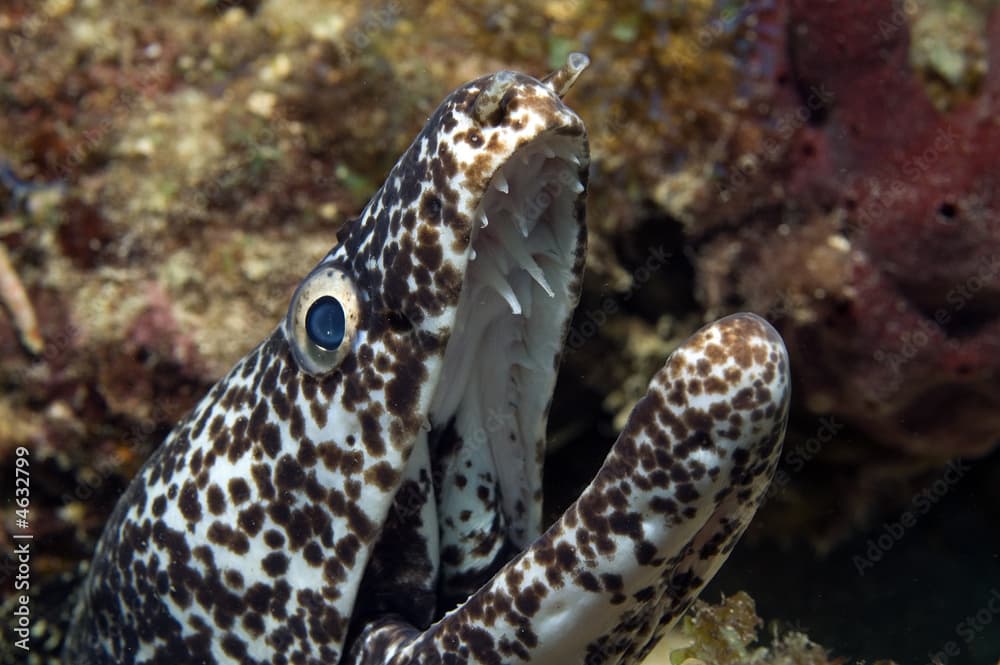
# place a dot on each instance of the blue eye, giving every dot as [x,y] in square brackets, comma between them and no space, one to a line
[325,323]
[324,320]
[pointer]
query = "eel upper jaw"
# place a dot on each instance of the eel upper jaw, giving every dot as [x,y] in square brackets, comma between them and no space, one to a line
[523,274]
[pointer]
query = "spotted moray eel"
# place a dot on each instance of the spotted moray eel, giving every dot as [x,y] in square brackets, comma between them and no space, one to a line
[365,485]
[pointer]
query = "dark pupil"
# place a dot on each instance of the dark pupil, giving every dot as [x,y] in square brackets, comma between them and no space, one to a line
[325,323]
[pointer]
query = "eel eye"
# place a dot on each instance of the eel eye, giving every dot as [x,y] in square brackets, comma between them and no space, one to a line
[325,323]
[322,320]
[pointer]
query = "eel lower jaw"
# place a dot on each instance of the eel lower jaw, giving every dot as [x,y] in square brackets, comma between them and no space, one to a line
[519,291]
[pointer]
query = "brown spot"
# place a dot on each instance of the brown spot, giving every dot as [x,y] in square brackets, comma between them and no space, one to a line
[275,564]
[251,520]
[274,539]
[382,475]
[239,491]
[288,474]
[189,504]
[270,439]
[715,353]
[216,499]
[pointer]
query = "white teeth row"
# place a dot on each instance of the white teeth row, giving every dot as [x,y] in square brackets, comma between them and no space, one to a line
[526,224]
[500,182]
[526,216]
[492,275]
[508,249]
[548,152]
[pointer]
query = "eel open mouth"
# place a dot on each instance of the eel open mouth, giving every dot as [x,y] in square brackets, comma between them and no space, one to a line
[488,411]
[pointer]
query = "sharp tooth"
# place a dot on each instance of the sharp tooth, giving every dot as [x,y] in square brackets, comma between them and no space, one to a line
[575,159]
[577,187]
[528,264]
[494,278]
[508,294]
[529,221]
[483,222]
[536,274]
[524,223]
[500,182]
[472,254]
[515,246]
[566,154]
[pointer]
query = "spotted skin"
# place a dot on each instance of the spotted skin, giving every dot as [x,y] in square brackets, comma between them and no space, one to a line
[306,510]
[671,500]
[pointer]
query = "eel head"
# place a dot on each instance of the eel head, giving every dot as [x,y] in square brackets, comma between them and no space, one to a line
[365,485]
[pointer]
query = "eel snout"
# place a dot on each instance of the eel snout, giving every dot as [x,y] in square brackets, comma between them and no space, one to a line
[559,81]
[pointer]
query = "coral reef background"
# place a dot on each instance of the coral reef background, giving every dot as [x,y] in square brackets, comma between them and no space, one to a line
[170,170]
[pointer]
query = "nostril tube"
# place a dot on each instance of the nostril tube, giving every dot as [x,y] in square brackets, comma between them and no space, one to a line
[487,104]
[562,79]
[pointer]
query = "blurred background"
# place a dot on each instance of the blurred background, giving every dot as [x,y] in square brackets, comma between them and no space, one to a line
[170,170]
